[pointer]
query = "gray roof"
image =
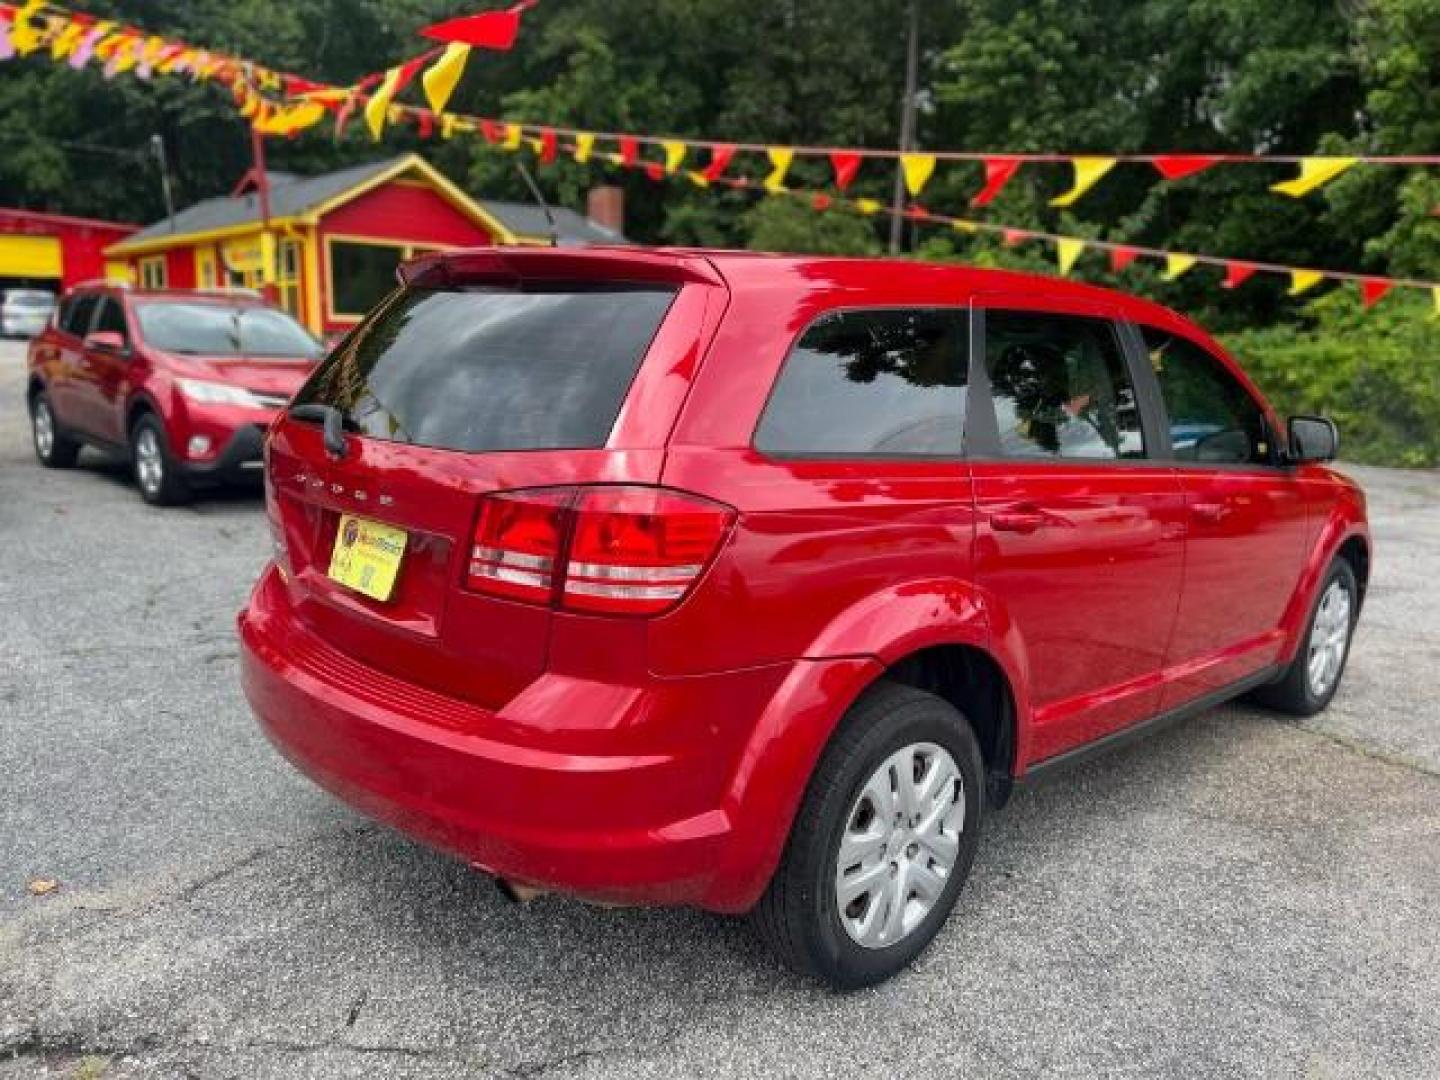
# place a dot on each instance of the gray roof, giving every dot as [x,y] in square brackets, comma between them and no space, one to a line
[292,196]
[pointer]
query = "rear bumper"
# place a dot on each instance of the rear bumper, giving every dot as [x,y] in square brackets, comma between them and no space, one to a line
[633,818]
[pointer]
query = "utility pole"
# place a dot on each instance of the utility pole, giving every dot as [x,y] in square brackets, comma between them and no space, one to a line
[267,239]
[157,147]
[907,126]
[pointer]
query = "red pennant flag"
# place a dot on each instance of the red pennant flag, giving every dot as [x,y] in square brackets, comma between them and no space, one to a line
[295,85]
[629,150]
[1372,289]
[846,165]
[720,155]
[1014,237]
[916,212]
[487,30]
[1121,257]
[427,125]
[820,201]
[998,171]
[655,171]
[493,130]
[1236,274]
[1176,166]
[548,145]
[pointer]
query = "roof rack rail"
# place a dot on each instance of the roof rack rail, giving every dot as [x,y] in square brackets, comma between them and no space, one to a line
[103,283]
[231,290]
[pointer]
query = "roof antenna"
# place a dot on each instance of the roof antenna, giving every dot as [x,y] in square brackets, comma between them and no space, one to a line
[544,206]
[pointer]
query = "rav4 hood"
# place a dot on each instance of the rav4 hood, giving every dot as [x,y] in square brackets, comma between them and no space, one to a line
[270,375]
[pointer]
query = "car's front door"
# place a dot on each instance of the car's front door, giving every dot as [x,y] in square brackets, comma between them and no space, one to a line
[1247,523]
[1081,531]
[107,375]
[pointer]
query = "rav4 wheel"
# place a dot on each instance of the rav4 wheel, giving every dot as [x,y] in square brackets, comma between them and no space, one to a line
[157,477]
[53,447]
[1314,675]
[882,842]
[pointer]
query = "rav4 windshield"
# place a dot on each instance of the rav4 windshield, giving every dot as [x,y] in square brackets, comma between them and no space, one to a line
[492,369]
[205,329]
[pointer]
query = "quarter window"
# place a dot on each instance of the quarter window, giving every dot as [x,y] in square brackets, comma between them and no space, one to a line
[1060,387]
[1213,418]
[882,383]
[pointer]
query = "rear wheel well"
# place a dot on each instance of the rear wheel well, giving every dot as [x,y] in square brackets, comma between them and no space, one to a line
[971,680]
[1357,554]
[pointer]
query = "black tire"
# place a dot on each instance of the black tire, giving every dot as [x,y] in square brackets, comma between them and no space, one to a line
[59,451]
[168,486]
[799,916]
[1294,693]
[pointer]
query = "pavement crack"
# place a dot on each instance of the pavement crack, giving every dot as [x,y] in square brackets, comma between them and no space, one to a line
[1355,746]
[528,1070]
[250,858]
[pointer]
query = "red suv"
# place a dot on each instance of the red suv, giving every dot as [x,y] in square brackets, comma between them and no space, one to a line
[183,383]
[751,582]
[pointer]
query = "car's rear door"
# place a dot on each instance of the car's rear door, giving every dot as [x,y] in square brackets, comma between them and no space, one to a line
[1246,519]
[107,371]
[1081,529]
[450,392]
[61,357]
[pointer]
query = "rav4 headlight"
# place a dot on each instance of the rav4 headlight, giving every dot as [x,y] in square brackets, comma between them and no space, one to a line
[214,393]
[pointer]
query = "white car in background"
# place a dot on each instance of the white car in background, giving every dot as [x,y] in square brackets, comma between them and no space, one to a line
[25,312]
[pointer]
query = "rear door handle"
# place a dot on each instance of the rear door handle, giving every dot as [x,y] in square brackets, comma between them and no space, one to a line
[1017,521]
[1210,513]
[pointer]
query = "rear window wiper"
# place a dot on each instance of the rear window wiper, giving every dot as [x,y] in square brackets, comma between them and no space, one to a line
[330,417]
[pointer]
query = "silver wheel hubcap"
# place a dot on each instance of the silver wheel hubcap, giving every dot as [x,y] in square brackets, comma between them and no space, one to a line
[1329,637]
[149,465]
[44,428]
[901,840]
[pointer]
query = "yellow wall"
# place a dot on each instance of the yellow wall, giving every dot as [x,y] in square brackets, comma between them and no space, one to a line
[30,256]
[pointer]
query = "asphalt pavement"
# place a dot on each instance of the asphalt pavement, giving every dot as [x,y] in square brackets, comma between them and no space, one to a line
[1239,896]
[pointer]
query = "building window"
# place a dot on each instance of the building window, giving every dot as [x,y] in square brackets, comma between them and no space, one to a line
[362,273]
[205,267]
[152,272]
[287,281]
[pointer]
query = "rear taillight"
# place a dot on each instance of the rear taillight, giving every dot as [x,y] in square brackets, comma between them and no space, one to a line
[623,550]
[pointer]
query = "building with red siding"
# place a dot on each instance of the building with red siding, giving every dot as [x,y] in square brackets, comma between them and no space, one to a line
[53,251]
[333,241]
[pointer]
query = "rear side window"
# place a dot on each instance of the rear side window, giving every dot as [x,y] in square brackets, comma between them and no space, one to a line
[883,383]
[1061,387]
[492,369]
[80,311]
[112,318]
[1213,418]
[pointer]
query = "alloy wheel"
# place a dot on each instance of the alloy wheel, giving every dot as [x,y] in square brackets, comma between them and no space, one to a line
[1329,638]
[44,422]
[900,845]
[149,461]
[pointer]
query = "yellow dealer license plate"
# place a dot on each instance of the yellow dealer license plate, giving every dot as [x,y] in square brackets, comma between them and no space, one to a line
[367,556]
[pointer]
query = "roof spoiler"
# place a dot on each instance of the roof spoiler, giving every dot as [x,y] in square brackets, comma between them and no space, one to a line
[512,266]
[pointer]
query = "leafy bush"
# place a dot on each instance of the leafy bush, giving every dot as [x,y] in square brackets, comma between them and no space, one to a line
[1375,373]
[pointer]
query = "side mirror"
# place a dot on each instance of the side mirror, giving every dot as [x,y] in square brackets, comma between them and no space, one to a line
[106,341]
[1313,438]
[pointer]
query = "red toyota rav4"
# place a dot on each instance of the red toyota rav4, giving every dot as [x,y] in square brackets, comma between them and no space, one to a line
[182,382]
[749,582]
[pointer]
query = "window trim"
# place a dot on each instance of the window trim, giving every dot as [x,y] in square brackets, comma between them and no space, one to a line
[982,425]
[1267,417]
[407,249]
[151,262]
[962,310]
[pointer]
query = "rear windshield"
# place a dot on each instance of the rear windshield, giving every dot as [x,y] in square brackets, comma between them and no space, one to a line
[492,369]
[209,329]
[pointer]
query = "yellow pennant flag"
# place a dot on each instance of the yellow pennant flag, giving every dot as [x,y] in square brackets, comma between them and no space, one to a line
[1303,280]
[514,133]
[66,42]
[780,158]
[963,226]
[1175,265]
[674,154]
[441,78]
[291,118]
[868,206]
[23,34]
[1314,172]
[1088,171]
[1068,251]
[697,178]
[1435,295]
[377,109]
[584,146]
[917,169]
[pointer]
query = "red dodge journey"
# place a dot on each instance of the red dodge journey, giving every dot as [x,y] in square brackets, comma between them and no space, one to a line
[755,582]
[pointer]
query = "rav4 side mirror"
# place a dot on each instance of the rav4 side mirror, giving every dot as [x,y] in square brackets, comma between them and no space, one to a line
[1313,438]
[106,341]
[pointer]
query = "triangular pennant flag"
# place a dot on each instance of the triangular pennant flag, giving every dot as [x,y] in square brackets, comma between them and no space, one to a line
[488,30]
[549,144]
[1314,171]
[1372,289]
[1088,170]
[963,226]
[492,130]
[65,42]
[846,165]
[1435,296]
[780,157]
[584,146]
[916,212]
[868,206]
[998,171]
[1304,280]
[514,133]
[917,169]
[1068,251]
[1121,257]
[1014,237]
[443,76]
[629,150]
[24,36]
[820,201]
[720,155]
[1175,265]
[396,79]
[698,178]
[1237,273]
[655,171]
[1178,166]
[674,154]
